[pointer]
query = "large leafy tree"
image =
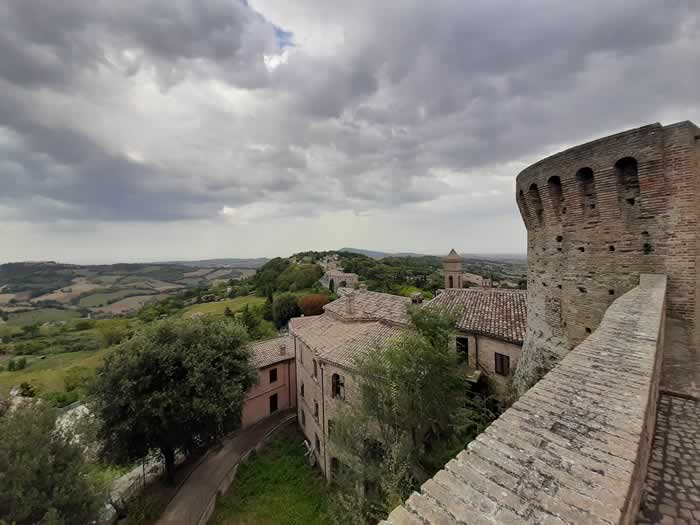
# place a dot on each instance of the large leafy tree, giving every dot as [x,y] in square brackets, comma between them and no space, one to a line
[414,411]
[43,477]
[176,385]
[284,308]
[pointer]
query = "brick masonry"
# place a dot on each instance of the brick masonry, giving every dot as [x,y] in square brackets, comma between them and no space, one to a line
[574,448]
[595,223]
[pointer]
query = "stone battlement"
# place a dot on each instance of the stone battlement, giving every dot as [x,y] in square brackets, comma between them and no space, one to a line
[573,449]
[598,215]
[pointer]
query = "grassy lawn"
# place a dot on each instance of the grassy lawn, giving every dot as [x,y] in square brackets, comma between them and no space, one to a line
[48,375]
[217,308]
[42,315]
[275,487]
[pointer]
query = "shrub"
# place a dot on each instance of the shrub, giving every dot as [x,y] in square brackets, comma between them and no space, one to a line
[27,390]
[313,304]
[84,324]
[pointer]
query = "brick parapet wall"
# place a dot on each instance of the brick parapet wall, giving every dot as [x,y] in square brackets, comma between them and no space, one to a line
[575,447]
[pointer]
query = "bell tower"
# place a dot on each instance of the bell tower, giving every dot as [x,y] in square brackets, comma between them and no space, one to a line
[452,266]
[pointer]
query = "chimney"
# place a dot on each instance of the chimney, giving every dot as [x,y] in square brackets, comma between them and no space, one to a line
[283,349]
[350,303]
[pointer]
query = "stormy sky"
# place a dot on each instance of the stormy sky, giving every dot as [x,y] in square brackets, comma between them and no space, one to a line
[188,129]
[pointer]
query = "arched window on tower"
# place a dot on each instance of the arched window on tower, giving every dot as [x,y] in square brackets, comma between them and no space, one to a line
[586,186]
[627,174]
[451,282]
[533,195]
[555,194]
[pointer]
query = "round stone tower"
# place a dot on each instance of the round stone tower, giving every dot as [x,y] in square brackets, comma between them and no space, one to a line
[598,215]
[453,268]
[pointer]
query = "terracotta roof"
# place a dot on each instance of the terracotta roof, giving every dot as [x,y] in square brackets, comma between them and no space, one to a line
[501,314]
[370,306]
[266,353]
[337,341]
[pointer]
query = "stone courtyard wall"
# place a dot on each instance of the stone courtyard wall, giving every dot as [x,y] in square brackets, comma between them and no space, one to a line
[574,449]
[598,215]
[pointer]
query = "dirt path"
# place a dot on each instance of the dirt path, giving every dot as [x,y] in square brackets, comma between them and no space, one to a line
[193,498]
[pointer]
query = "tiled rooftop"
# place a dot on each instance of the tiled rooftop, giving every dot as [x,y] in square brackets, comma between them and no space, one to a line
[266,353]
[339,342]
[370,306]
[488,311]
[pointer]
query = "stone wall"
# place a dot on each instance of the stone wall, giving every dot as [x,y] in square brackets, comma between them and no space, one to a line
[309,424]
[598,215]
[573,449]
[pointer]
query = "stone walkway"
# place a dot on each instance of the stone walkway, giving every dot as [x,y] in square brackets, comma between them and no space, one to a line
[194,496]
[672,493]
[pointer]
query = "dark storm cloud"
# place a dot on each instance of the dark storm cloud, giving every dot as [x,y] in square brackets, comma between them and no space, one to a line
[360,120]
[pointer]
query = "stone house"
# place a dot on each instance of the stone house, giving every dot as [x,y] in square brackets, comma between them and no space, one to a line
[491,328]
[340,279]
[325,347]
[276,386]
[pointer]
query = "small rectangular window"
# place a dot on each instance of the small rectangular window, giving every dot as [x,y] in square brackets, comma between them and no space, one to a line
[315,368]
[502,364]
[330,427]
[273,375]
[316,410]
[273,403]
[318,443]
[463,349]
[302,390]
[337,386]
[303,418]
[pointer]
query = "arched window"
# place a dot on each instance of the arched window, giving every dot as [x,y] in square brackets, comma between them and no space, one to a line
[451,282]
[555,193]
[533,195]
[586,186]
[627,174]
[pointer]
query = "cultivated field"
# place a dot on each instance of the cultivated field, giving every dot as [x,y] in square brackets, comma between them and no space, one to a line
[41,315]
[218,307]
[48,375]
[105,298]
[130,304]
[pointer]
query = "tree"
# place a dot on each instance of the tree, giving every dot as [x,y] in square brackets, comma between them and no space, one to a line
[284,308]
[228,312]
[267,307]
[26,390]
[313,304]
[331,285]
[174,386]
[31,330]
[113,332]
[414,411]
[44,476]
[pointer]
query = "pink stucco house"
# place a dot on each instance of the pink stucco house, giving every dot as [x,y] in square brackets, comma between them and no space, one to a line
[276,387]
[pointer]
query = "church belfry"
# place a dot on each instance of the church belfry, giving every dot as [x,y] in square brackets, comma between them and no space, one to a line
[452,266]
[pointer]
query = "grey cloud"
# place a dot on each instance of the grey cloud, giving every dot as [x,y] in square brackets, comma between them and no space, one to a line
[413,86]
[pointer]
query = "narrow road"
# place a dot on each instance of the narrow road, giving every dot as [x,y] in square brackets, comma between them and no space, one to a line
[193,497]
